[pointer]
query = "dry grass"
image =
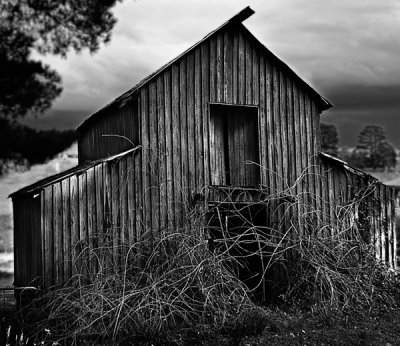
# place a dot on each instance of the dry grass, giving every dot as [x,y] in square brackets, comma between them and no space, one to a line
[164,288]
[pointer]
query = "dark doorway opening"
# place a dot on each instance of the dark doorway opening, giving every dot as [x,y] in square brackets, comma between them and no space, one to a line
[234,145]
[237,228]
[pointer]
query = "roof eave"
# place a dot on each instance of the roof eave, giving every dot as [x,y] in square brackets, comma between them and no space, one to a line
[41,184]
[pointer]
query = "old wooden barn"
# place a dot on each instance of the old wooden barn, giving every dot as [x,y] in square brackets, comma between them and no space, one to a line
[225,123]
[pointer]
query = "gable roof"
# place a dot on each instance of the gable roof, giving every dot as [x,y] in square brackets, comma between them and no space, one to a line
[236,19]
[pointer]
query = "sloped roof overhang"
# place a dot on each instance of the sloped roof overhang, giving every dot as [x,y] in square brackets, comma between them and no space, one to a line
[35,188]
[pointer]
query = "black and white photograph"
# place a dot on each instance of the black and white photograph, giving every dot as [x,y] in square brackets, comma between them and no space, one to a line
[199,173]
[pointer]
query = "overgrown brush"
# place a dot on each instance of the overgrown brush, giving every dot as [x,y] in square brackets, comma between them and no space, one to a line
[152,290]
[339,274]
[335,267]
[319,262]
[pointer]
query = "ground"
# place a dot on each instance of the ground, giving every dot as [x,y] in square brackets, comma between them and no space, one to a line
[360,329]
[285,328]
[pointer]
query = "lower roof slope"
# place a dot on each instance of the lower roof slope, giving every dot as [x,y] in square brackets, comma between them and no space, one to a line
[41,184]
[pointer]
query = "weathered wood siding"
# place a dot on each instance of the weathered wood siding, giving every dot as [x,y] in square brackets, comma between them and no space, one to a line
[178,138]
[27,241]
[56,232]
[115,130]
[358,200]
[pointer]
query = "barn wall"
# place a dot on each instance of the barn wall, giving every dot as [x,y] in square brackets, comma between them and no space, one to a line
[358,200]
[112,131]
[27,241]
[179,152]
[81,211]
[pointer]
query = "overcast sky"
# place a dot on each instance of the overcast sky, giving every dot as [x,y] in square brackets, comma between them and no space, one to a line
[348,50]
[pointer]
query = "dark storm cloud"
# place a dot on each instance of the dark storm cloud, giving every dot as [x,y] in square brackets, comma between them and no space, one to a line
[358,105]
[364,97]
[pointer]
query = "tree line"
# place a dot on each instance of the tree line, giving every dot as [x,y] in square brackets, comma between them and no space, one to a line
[22,145]
[373,151]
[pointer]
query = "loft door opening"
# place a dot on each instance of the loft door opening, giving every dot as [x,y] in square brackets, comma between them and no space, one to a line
[234,145]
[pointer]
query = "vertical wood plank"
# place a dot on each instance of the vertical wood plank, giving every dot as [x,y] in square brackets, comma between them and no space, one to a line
[248,71]
[242,69]
[140,217]
[191,121]
[262,125]
[74,191]
[162,153]
[205,79]
[99,183]
[49,240]
[311,169]
[132,191]
[17,232]
[284,130]
[91,219]
[291,132]
[66,212]
[228,85]
[316,148]
[213,69]
[269,131]
[116,212]
[198,122]
[256,77]
[123,207]
[146,171]
[169,150]
[58,234]
[176,146]
[220,68]
[154,162]
[304,149]
[298,152]
[376,225]
[108,235]
[278,150]
[184,131]
[213,156]
[235,68]
[83,221]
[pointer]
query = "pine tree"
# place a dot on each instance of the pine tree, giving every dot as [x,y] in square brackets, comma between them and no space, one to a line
[370,137]
[44,26]
[329,139]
